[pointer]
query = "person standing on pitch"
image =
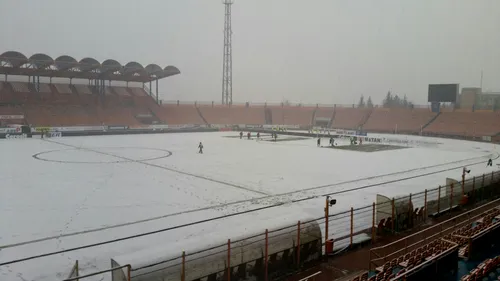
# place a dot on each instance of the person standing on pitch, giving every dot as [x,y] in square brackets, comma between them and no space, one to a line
[258,135]
[200,147]
[241,135]
[248,135]
[490,163]
[319,142]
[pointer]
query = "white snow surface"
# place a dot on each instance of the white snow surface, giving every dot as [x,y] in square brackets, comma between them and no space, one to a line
[83,183]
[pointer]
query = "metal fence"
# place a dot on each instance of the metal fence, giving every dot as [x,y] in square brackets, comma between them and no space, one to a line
[393,215]
[274,104]
[380,255]
[336,232]
[122,271]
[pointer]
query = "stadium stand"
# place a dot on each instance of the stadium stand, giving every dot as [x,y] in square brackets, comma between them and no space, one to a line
[121,91]
[411,260]
[113,115]
[233,115]
[82,89]
[489,269]
[349,118]
[63,88]
[324,112]
[400,265]
[402,120]
[465,124]
[93,103]
[20,87]
[13,112]
[67,115]
[287,115]
[138,92]
[179,114]
[463,235]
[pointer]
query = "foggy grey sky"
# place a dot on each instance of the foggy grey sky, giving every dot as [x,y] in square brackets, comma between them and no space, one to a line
[325,51]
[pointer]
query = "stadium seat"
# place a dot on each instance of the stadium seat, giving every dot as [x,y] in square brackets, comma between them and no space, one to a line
[288,115]
[474,124]
[401,120]
[179,114]
[349,118]
[233,115]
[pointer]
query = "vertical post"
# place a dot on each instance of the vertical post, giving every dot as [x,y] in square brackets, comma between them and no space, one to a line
[393,215]
[474,190]
[425,205]
[370,261]
[406,247]
[183,268]
[411,214]
[157,100]
[451,196]
[228,259]
[463,182]
[352,226]
[482,185]
[439,199]
[491,180]
[266,254]
[77,269]
[327,211]
[129,269]
[373,222]
[298,243]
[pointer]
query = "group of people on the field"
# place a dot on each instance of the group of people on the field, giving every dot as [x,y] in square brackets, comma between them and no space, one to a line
[332,142]
[249,135]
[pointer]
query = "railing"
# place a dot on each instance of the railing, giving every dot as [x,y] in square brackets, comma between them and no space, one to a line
[119,268]
[427,262]
[380,255]
[311,277]
[356,225]
[272,104]
[323,105]
[393,215]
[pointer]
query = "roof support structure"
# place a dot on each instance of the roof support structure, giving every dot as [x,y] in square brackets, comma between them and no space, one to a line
[15,63]
[41,65]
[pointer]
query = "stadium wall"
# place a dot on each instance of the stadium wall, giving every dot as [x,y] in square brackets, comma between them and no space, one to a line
[9,133]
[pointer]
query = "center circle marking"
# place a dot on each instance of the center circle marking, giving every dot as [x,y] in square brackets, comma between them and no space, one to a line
[120,159]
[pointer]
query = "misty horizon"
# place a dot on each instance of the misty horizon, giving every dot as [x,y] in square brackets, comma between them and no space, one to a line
[329,52]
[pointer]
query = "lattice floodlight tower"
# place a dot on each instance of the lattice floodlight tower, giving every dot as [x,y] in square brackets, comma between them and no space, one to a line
[227,63]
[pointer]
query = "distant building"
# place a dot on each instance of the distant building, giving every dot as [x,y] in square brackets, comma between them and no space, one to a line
[468,97]
[474,99]
[488,100]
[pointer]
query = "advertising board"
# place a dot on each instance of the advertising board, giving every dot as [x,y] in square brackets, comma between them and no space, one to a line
[14,136]
[9,130]
[117,127]
[158,126]
[11,117]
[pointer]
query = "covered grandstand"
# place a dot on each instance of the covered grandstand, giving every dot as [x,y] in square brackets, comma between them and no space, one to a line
[96,92]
